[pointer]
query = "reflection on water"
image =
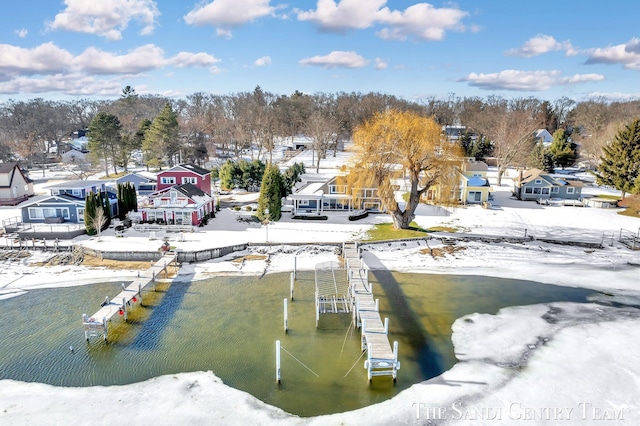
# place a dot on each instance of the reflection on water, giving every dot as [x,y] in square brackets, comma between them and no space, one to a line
[229,325]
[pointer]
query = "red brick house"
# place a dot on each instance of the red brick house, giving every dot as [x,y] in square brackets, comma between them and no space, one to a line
[185,173]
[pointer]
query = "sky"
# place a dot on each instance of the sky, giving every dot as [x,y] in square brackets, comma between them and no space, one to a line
[72,49]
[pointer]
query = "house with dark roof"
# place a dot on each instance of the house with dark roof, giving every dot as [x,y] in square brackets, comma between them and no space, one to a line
[144,183]
[15,185]
[534,184]
[184,204]
[185,173]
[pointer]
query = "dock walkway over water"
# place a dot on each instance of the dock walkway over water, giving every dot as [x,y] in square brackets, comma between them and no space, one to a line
[96,325]
[381,359]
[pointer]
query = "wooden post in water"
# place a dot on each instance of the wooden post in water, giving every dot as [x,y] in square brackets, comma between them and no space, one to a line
[293,277]
[278,361]
[124,307]
[140,293]
[286,316]
[377,305]
[386,326]
[153,279]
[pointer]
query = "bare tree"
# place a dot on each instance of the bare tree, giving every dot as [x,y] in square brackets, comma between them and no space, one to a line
[510,125]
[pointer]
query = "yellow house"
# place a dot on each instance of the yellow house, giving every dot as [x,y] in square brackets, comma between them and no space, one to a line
[470,185]
[474,185]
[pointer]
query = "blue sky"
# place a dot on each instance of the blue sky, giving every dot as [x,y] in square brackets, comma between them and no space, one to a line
[71,49]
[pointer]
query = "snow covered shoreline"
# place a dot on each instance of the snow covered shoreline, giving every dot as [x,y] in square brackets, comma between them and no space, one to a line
[497,381]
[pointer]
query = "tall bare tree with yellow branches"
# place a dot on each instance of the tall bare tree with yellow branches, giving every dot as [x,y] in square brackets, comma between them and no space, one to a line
[403,145]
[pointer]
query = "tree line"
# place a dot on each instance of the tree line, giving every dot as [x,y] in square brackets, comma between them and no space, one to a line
[204,125]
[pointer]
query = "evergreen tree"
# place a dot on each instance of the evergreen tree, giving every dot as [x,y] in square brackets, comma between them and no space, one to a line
[620,165]
[160,140]
[541,158]
[90,213]
[290,177]
[230,175]
[563,152]
[105,139]
[270,194]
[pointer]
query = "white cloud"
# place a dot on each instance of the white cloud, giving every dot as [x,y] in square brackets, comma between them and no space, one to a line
[347,14]
[526,80]
[228,14]
[106,18]
[538,45]
[70,84]
[261,62]
[143,58]
[337,59]
[58,69]
[422,20]
[381,64]
[628,55]
[189,59]
[22,33]
[44,59]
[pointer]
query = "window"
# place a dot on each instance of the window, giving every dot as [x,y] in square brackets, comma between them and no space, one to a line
[337,189]
[303,202]
[555,189]
[80,212]
[571,190]
[190,179]
[44,212]
[528,190]
[538,182]
[168,180]
[545,191]
[173,195]
[537,190]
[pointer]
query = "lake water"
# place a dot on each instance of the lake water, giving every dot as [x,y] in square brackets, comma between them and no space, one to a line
[229,325]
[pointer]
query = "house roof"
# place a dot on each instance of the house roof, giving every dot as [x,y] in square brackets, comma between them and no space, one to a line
[40,199]
[138,175]
[77,184]
[10,168]
[190,167]
[312,188]
[186,189]
[477,181]
[533,174]
[475,166]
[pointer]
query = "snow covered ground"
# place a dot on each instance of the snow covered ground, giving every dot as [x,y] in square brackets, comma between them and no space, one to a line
[542,364]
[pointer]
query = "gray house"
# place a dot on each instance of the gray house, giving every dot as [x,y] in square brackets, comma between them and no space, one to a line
[65,202]
[535,184]
[145,184]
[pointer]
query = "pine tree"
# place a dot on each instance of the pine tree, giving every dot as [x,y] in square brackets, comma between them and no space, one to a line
[620,165]
[270,194]
[160,140]
[90,213]
[562,150]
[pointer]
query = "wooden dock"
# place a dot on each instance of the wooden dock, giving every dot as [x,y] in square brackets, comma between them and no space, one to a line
[381,359]
[96,325]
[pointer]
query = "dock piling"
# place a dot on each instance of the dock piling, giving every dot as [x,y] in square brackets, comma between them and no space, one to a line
[293,277]
[286,316]
[278,361]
